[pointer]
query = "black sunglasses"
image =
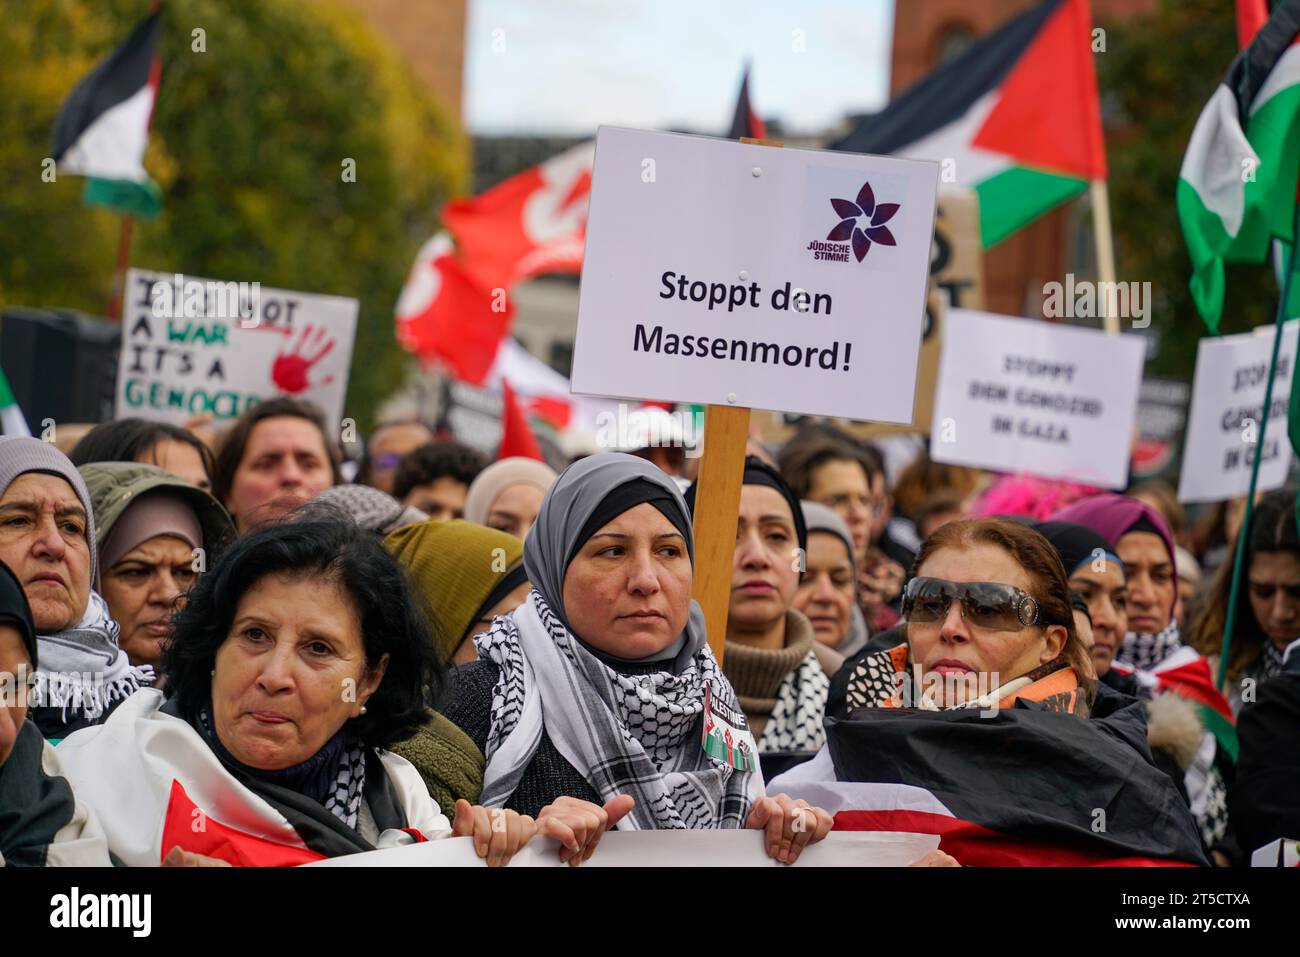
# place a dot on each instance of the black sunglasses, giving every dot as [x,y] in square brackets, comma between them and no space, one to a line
[990,605]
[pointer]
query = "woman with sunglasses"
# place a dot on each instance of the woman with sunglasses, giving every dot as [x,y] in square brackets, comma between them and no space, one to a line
[988,622]
[984,713]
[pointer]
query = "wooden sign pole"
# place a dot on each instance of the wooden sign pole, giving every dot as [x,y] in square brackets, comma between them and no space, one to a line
[717,509]
[717,506]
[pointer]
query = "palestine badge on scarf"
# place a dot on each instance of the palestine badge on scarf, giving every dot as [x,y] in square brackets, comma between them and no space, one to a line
[727,737]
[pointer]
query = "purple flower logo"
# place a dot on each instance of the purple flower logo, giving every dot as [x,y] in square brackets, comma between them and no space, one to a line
[873,230]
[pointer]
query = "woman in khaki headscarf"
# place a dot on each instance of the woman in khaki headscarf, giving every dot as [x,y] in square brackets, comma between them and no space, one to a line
[467,574]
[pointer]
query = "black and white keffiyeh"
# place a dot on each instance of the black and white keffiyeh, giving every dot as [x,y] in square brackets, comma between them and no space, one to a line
[1145,651]
[796,720]
[344,800]
[1269,664]
[627,734]
[83,669]
[335,776]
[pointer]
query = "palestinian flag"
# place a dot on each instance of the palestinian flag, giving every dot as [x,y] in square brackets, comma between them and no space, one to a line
[1023,787]
[1237,186]
[745,122]
[1186,673]
[103,127]
[1014,117]
[12,420]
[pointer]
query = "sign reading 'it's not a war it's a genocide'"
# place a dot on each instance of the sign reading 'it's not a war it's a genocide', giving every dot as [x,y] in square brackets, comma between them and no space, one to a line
[194,346]
[1022,395]
[736,274]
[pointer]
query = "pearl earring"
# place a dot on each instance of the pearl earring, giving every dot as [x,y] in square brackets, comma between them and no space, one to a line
[363,709]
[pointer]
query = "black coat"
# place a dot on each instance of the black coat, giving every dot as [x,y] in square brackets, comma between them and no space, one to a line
[1264,800]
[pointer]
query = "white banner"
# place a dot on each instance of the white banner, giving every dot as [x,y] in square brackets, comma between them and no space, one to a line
[666,849]
[194,346]
[1023,395]
[1226,414]
[736,274]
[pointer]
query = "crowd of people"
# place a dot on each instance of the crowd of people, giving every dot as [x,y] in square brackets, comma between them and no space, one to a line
[215,649]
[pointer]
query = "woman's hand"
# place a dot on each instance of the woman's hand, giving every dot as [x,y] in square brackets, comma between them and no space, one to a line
[579,825]
[498,834]
[177,857]
[936,858]
[790,825]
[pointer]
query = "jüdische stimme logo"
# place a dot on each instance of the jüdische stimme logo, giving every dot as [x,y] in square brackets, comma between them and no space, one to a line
[862,223]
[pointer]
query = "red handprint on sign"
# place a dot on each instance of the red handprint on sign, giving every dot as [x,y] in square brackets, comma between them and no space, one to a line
[289,371]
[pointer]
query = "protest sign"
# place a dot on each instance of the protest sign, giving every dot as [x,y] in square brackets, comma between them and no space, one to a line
[194,346]
[742,848]
[1161,415]
[734,274]
[1022,395]
[1224,423]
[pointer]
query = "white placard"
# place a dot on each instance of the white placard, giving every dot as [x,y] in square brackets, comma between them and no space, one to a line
[1223,425]
[187,349]
[709,276]
[666,849]
[1023,395]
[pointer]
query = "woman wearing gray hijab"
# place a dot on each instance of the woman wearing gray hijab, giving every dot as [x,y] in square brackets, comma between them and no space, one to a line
[47,538]
[827,593]
[597,702]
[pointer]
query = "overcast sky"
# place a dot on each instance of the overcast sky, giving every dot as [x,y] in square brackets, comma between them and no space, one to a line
[567,66]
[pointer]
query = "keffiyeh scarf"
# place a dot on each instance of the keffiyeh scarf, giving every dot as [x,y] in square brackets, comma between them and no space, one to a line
[83,670]
[796,720]
[626,734]
[335,776]
[1269,664]
[1145,651]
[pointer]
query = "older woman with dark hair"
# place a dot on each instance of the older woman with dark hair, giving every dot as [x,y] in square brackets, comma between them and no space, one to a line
[597,701]
[296,663]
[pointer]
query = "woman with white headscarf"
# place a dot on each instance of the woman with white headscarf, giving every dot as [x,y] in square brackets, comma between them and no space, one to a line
[828,587]
[508,494]
[597,702]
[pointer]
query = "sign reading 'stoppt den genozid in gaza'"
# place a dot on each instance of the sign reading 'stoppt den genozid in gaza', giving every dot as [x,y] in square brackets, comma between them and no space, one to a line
[194,346]
[734,274]
[1023,395]
[1223,427]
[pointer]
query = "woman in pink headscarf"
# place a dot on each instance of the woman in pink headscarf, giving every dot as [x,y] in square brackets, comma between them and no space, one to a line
[1167,670]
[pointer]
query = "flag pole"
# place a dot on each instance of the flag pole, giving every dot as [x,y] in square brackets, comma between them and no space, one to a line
[1244,532]
[115,295]
[1105,241]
